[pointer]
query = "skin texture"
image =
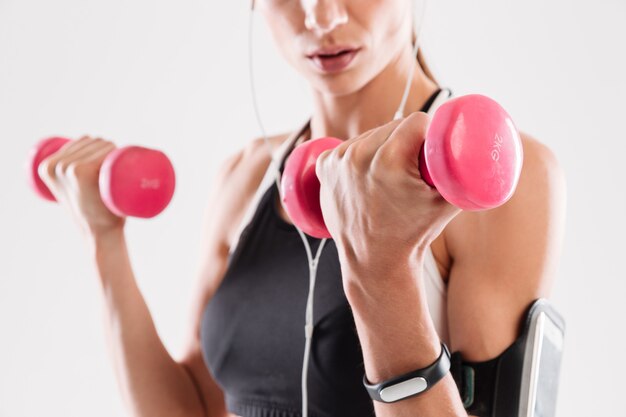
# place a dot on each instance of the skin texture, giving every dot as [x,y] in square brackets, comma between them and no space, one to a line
[494,263]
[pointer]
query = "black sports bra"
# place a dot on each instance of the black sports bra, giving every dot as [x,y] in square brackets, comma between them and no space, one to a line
[252,329]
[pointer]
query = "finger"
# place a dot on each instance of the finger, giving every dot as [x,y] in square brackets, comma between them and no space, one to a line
[86,151]
[369,145]
[98,155]
[74,146]
[324,158]
[89,165]
[48,166]
[370,139]
[359,150]
[66,160]
[94,156]
[401,149]
[322,162]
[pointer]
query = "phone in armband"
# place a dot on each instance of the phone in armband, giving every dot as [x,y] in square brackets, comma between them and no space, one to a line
[523,381]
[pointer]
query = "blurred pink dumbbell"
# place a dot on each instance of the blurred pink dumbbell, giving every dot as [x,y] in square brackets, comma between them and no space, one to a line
[134,181]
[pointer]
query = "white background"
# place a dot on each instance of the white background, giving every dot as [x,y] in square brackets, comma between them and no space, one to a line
[173,75]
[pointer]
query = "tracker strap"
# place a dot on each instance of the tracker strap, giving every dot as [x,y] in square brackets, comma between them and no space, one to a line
[412,383]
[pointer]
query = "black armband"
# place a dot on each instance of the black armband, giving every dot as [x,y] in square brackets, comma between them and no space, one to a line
[523,380]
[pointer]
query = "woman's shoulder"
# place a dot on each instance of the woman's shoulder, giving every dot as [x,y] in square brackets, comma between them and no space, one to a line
[542,180]
[248,165]
[238,179]
[540,161]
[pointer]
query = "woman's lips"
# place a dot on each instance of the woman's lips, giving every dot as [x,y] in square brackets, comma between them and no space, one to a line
[333,61]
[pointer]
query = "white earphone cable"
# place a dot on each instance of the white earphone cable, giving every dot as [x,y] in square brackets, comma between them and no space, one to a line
[418,29]
[314,260]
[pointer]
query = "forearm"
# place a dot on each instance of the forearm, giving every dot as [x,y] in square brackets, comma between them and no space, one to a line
[397,336]
[152,383]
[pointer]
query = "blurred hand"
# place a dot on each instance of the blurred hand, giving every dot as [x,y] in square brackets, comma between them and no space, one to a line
[72,174]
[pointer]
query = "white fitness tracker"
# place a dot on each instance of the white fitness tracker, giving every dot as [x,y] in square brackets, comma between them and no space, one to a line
[412,383]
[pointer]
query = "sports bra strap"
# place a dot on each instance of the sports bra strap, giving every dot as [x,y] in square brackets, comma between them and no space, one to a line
[278,156]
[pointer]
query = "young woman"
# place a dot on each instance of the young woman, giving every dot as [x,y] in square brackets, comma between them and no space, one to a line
[404,272]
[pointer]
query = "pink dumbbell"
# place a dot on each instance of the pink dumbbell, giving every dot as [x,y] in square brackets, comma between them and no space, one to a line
[133,181]
[472,155]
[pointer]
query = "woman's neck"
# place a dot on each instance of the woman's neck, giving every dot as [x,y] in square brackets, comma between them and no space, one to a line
[375,104]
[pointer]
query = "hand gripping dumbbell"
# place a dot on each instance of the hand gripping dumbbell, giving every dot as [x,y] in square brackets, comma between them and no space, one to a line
[133,181]
[472,155]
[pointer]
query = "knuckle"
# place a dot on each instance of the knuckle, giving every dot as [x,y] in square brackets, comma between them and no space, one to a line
[320,164]
[418,122]
[331,155]
[75,171]
[341,150]
[319,172]
[78,170]
[378,175]
[358,156]
[329,161]
[46,169]
[384,160]
[358,150]
[418,116]
[61,168]
[350,154]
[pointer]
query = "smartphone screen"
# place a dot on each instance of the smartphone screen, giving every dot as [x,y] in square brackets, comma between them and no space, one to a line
[547,347]
[549,369]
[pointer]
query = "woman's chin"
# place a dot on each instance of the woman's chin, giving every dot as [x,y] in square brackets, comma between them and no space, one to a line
[338,84]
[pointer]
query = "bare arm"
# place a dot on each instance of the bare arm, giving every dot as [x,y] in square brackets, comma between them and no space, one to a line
[502,260]
[505,259]
[238,181]
[152,382]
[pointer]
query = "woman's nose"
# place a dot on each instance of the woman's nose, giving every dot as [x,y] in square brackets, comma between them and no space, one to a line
[323,16]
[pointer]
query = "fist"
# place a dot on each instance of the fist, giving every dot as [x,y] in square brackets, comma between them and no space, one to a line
[72,175]
[374,201]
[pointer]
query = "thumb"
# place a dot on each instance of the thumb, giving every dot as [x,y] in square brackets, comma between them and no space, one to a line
[322,162]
